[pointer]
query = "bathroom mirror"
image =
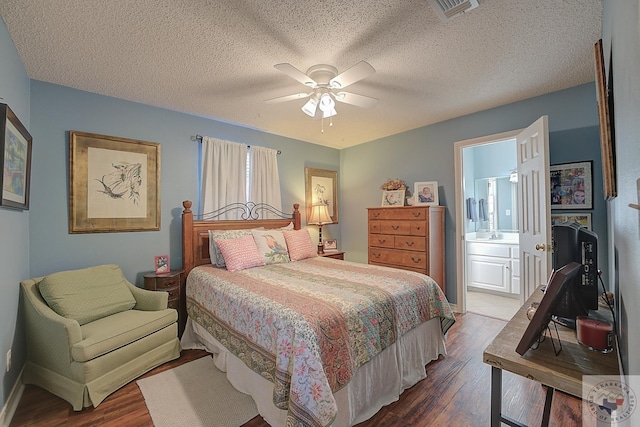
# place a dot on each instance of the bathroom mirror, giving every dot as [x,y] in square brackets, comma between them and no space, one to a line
[496,199]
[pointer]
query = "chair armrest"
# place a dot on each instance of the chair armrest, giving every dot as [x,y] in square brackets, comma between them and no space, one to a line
[49,335]
[149,300]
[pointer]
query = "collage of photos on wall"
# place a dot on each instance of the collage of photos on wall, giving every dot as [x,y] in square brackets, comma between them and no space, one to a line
[571,189]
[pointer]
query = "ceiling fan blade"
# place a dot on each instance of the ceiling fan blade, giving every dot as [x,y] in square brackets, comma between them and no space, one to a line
[287,98]
[355,99]
[296,74]
[358,72]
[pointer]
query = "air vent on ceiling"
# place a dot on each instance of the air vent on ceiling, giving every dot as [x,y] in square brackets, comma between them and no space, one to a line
[447,9]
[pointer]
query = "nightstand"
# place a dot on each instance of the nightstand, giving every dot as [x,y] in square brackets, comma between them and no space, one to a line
[169,282]
[334,255]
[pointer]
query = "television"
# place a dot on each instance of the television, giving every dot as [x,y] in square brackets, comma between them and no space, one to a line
[574,243]
[559,282]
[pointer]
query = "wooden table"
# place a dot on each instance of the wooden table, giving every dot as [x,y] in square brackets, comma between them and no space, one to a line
[562,372]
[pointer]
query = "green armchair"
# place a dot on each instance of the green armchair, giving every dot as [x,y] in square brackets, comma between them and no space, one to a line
[90,332]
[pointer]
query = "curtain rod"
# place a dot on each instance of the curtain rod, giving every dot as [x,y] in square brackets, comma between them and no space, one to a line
[199,139]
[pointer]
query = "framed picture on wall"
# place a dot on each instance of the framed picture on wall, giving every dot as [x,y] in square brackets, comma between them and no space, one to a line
[571,186]
[15,156]
[114,184]
[584,219]
[426,193]
[322,188]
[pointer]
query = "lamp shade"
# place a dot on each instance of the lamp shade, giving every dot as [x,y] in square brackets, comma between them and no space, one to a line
[311,106]
[319,215]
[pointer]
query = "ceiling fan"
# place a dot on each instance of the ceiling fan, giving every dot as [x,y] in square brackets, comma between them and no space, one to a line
[327,85]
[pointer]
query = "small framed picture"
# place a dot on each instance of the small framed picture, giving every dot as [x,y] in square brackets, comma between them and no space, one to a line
[571,186]
[331,245]
[581,218]
[426,193]
[393,197]
[162,264]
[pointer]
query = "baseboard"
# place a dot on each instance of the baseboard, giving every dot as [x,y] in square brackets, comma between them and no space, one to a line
[12,402]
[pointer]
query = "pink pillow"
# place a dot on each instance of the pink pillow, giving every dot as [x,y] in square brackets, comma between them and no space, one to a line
[240,253]
[299,244]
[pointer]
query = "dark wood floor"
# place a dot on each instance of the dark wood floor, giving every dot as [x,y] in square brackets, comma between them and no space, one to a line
[455,393]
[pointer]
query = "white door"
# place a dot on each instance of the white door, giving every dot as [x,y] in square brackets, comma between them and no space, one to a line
[534,206]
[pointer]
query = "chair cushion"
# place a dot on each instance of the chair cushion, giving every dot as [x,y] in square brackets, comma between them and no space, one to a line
[87,294]
[118,330]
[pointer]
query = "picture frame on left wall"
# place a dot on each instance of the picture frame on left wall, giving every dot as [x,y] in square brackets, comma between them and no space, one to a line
[15,155]
[114,184]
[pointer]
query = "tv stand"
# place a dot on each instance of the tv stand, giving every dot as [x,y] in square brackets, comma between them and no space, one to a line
[562,372]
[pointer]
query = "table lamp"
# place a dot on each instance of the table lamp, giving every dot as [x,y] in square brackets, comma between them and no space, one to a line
[319,216]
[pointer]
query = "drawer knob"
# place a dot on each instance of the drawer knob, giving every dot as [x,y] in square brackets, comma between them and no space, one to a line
[395,227]
[417,214]
[376,214]
[416,260]
[375,255]
[382,240]
[409,243]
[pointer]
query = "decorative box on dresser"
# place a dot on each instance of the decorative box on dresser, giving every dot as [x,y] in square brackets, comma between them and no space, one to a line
[410,238]
[171,283]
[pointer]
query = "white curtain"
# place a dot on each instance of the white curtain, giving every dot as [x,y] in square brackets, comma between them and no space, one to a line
[223,175]
[264,181]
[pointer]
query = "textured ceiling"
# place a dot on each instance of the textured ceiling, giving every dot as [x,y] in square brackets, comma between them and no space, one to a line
[215,58]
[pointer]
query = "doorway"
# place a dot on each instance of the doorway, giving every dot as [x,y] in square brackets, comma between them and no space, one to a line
[529,268]
[489,255]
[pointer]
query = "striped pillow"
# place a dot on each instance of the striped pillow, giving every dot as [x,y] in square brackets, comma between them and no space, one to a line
[240,253]
[299,244]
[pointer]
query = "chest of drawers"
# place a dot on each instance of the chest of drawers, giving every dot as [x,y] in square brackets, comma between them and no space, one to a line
[409,238]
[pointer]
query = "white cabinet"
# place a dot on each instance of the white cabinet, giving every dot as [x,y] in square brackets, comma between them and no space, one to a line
[493,266]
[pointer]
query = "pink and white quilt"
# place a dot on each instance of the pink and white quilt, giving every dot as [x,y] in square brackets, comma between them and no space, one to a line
[308,325]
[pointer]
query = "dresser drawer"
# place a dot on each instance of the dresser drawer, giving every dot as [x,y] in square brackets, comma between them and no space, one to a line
[398,257]
[174,303]
[395,227]
[398,213]
[411,243]
[382,240]
[374,227]
[165,284]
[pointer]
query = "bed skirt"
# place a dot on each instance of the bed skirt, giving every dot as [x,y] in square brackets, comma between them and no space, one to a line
[374,385]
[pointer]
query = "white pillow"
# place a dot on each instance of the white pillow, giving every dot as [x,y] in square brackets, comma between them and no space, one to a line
[271,245]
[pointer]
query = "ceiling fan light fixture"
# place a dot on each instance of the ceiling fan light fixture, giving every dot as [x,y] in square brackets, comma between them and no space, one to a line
[310,107]
[327,106]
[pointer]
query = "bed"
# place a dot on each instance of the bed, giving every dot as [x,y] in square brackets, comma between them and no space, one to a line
[315,341]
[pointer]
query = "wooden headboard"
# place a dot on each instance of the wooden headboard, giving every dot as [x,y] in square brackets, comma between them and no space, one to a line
[195,232]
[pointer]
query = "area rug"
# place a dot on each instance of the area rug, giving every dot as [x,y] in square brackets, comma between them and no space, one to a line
[195,394]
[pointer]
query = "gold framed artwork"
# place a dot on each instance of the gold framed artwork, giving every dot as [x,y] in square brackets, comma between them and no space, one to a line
[114,184]
[584,219]
[322,187]
[605,105]
[15,156]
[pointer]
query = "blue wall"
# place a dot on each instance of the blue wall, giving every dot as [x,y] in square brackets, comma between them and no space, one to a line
[427,154]
[14,224]
[56,110]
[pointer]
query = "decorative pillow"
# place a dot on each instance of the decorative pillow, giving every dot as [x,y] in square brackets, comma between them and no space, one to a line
[216,257]
[271,245]
[240,253]
[87,294]
[299,244]
[288,227]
